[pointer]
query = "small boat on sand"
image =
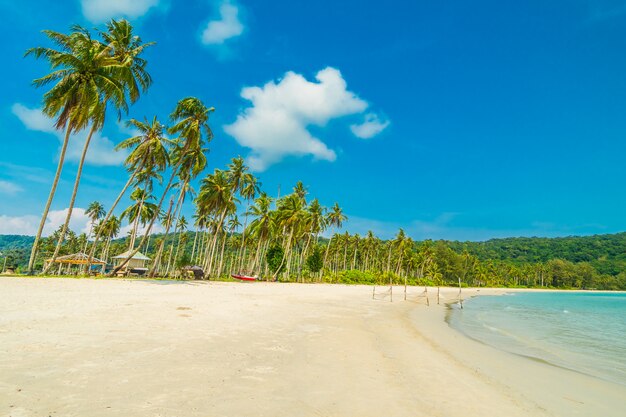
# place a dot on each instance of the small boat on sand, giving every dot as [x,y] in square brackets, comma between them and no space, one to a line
[244,277]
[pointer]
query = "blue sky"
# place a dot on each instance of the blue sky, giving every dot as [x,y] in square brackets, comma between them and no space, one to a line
[457,120]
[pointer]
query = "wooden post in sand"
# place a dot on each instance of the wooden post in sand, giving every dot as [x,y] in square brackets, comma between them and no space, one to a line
[460,298]
[437,295]
[404,288]
[374,293]
[426,292]
[390,289]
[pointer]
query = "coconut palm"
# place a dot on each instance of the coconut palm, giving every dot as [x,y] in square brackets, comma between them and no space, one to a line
[190,118]
[334,219]
[109,229]
[148,157]
[95,211]
[118,60]
[290,216]
[249,190]
[216,197]
[84,80]
[140,212]
[262,226]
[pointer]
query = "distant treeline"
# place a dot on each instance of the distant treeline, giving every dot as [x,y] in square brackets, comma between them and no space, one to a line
[591,262]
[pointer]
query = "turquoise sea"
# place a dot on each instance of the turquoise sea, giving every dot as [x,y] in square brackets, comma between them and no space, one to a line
[584,332]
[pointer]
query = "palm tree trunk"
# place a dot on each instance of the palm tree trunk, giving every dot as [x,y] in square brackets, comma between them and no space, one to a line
[157,258]
[328,247]
[193,249]
[285,254]
[219,269]
[156,215]
[107,217]
[73,198]
[44,216]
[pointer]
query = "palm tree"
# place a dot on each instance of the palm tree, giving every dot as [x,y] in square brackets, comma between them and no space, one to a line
[334,219]
[140,212]
[115,70]
[249,190]
[262,226]
[94,211]
[290,216]
[215,198]
[109,229]
[190,117]
[83,79]
[149,156]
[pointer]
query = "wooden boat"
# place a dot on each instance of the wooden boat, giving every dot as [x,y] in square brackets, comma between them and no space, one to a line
[244,277]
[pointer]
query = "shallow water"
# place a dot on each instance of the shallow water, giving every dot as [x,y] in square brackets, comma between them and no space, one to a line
[584,332]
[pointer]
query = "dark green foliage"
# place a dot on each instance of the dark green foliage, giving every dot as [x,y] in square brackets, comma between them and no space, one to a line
[183,261]
[274,258]
[315,261]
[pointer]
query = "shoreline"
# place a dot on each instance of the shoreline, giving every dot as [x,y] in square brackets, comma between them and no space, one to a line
[128,347]
[557,389]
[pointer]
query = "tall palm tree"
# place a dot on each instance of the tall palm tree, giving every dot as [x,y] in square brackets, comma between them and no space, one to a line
[215,198]
[290,216]
[140,212]
[262,226]
[117,61]
[148,157]
[249,190]
[334,219]
[83,79]
[110,229]
[95,211]
[190,118]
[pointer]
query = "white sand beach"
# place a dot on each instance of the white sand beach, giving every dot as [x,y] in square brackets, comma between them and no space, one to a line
[83,347]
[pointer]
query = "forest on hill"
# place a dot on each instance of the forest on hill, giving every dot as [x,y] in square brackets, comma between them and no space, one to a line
[566,262]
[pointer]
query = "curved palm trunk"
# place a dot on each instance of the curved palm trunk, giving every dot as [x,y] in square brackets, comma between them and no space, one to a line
[72,200]
[157,258]
[242,252]
[149,229]
[44,216]
[106,219]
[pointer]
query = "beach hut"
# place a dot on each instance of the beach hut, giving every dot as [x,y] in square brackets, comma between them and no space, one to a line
[70,261]
[136,264]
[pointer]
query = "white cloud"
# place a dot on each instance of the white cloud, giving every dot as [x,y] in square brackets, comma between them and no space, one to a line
[101,149]
[226,27]
[276,125]
[28,224]
[98,11]
[371,127]
[10,188]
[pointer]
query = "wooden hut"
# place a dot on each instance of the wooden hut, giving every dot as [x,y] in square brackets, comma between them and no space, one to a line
[136,264]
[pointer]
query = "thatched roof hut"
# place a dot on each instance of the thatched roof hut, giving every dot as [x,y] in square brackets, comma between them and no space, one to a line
[78,258]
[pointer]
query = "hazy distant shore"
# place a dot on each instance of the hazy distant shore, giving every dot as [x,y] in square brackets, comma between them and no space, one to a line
[143,348]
